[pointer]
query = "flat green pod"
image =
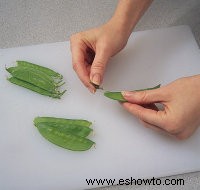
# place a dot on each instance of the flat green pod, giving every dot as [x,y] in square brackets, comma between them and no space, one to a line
[65,140]
[32,76]
[119,97]
[46,70]
[35,88]
[81,122]
[76,127]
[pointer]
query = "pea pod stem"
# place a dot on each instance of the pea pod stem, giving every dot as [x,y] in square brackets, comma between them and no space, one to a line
[59,85]
[58,82]
[61,93]
[119,97]
[96,86]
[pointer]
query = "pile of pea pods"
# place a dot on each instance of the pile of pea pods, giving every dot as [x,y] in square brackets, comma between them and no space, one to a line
[67,133]
[36,78]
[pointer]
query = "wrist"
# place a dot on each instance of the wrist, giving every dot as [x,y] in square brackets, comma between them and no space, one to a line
[128,13]
[120,26]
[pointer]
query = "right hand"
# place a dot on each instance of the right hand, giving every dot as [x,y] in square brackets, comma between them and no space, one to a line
[92,49]
[180,116]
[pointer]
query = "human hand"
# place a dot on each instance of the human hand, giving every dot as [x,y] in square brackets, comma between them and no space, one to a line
[180,116]
[92,49]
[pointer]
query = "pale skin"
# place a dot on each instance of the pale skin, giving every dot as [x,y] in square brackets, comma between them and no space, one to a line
[91,52]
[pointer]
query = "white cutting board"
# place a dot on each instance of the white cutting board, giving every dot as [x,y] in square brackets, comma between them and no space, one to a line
[124,148]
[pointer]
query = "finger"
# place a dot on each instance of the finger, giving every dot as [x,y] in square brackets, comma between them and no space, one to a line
[90,54]
[153,127]
[88,68]
[78,60]
[145,97]
[151,106]
[98,66]
[150,116]
[83,74]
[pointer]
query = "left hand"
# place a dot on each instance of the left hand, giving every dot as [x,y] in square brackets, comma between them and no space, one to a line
[181,100]
[92,50]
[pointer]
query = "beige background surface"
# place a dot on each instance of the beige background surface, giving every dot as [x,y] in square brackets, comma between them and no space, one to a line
[27,22]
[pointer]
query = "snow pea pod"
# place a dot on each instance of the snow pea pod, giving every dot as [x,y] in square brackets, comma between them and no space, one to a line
[64,140]
[44,75]
[119,97]
[72,129]
[32,76]
[96,86]
[46,70]
[80,122]
[75,127]
[34,88]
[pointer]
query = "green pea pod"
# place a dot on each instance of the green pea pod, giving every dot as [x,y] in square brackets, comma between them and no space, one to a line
[67,127]
[33,77]
[72,129]
[34,88]
[46,70]
[65,140]
[96,86]
[115,96]
[44,75]
[119,97]
[63,121]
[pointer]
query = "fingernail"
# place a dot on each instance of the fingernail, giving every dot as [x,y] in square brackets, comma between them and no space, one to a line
[96,79]
[127,93]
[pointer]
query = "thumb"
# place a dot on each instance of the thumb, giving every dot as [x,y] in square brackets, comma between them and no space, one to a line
[98,67]
[144,97]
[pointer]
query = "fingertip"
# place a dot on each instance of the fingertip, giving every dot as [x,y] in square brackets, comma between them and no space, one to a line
[92,90]
[126,105]
[127,95]
[89,86]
